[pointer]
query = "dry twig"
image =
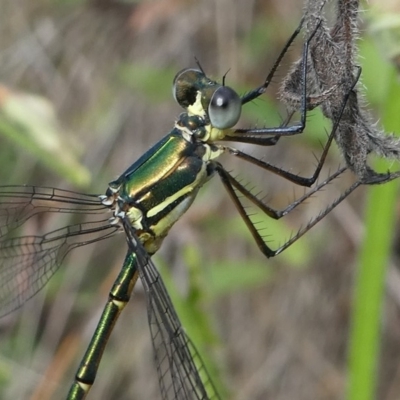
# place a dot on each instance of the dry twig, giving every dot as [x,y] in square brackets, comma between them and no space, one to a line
[331,71]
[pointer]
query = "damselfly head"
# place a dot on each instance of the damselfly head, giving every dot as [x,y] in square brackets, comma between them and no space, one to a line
[205,98]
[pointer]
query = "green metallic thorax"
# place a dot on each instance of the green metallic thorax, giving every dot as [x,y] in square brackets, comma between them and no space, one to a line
[159,187]
[155,191]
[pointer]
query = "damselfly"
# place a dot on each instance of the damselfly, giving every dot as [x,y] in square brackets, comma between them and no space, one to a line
[144,203]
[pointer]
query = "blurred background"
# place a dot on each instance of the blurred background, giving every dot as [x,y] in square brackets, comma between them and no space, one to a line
[85,89]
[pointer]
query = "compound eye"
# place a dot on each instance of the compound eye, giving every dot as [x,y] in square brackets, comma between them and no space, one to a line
[184,86]
[225,108]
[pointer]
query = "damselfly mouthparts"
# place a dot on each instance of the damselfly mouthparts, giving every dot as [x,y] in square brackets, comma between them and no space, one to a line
[144,202]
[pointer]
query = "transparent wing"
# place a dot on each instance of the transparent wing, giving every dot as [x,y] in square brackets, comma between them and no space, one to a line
[181,371]
[19,203]
[28,262]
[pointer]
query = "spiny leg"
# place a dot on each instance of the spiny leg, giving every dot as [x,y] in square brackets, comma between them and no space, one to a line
[299,180]
[258,135]
[253,94]
[319,217]
[231,184]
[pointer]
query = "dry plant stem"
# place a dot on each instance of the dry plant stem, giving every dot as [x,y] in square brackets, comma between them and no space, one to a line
[331,69]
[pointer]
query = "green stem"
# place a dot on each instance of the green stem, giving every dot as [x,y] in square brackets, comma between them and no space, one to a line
[370,279]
